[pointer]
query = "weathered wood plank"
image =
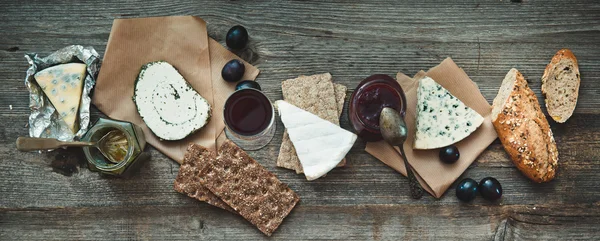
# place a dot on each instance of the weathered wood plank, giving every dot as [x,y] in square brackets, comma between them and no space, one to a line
[365,222]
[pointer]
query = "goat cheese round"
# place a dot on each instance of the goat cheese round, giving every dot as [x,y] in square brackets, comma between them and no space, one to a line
[169,106]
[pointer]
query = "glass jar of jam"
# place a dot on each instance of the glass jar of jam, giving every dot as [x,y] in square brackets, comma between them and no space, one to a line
[369,98]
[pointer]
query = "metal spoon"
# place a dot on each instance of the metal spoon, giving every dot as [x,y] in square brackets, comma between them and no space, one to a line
[394,131]
[107,141]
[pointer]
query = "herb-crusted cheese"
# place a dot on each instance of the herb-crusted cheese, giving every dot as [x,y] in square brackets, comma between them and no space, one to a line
[63,85]
[442,119]
[169,106]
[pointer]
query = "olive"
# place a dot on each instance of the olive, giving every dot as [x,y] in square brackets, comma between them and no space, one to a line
[490,189]
[233,70]
[449,154]
[237,37]
[466,190]
[247,84]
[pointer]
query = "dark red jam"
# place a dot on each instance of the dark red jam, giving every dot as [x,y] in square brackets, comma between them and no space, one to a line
[248,112]
[370,97]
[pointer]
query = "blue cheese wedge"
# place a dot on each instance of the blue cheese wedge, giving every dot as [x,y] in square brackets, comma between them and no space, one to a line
[169,106]
[442,119]
[320,144]
[63,85]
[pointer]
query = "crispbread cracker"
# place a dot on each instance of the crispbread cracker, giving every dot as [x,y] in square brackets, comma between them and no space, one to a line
[248,188]
[315,94]
[340,96]
[188,180]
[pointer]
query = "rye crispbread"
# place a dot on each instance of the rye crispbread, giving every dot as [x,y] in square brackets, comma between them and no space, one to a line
[248,188]
[315,94]
[340,96]
[188,180]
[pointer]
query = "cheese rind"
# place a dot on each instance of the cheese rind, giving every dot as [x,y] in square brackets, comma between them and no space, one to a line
[320,144]
[63,85]
[442,119]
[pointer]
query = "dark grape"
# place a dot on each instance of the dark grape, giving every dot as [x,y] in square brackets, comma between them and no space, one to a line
[233,71]
[237,37]
[247,84]
[490,189]
[466,190]
[449,154]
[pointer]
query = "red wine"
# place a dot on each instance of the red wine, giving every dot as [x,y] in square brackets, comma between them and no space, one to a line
[248,112]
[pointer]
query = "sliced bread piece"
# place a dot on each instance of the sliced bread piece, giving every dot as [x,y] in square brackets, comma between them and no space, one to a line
[523,129]
[442,119]
[560,85]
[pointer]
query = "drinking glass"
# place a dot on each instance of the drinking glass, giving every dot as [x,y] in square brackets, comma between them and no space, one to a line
[249,119]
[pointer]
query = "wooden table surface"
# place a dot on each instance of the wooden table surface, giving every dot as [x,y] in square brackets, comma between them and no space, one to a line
[54,195]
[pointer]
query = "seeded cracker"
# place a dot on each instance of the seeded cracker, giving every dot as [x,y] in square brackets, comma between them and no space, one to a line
[315,94]
[248,188]
[188,180]
[340,96]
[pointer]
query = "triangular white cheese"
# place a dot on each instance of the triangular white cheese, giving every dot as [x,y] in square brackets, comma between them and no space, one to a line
[320,144]
[442,119]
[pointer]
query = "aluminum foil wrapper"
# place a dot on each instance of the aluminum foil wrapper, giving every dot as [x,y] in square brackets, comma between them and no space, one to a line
[44,121]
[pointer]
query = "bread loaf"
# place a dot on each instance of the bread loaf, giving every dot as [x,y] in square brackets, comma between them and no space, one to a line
[523,129]
[560,85]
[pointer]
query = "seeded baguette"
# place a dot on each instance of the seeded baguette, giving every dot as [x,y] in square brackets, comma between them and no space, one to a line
[523,129]
[560,85]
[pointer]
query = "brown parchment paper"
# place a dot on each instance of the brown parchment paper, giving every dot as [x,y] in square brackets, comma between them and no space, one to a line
[434,175]
[219,56]
[183,42]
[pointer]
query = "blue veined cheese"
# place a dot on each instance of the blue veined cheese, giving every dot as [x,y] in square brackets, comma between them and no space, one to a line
[320,144]
[169,106]
[63,85]
[442,119]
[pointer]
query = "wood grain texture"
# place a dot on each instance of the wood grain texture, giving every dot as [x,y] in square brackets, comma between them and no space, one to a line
[350,39]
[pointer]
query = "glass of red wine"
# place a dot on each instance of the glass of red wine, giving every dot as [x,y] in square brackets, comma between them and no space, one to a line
[249,119]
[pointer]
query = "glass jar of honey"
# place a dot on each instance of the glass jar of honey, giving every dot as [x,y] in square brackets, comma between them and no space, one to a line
[126,146]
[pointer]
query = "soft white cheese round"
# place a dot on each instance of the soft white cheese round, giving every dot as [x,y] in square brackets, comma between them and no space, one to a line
[169,106]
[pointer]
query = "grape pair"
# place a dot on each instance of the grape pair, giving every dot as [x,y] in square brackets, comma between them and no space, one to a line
[489,188]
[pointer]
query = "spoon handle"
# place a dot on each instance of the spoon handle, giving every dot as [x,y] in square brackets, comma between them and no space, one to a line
[415,188]
[34,144]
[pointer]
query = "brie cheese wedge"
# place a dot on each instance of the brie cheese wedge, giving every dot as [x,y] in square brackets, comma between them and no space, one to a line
[442,119]
[320,144]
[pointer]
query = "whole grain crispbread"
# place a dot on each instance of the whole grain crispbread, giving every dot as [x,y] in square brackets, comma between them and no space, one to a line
[188,179]
[315,94]
[340,96]
[248,188]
